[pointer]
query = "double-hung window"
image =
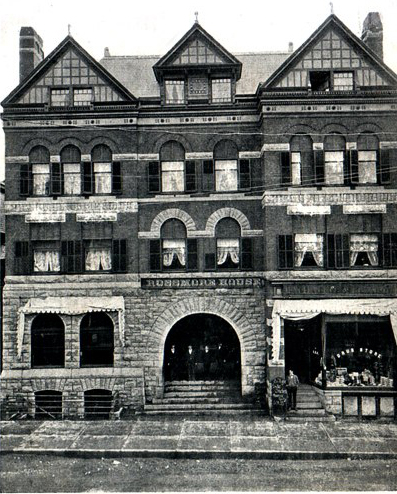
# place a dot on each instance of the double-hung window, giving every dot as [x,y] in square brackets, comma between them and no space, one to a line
[232,251]
[334,159]
[226,166]
[101,175]
[365,171]
[39,159]
[71,167]
[301,250]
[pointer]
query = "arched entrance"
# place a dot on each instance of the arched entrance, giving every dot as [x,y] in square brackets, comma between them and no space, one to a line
[214,352]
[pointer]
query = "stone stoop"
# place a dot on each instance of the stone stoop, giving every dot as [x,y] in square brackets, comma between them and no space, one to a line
[308,407]
[200,397]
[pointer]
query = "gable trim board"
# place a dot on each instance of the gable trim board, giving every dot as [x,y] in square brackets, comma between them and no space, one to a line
[332,23]
[68,43]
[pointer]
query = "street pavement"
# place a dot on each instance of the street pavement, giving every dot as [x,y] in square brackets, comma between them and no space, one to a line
[199,437]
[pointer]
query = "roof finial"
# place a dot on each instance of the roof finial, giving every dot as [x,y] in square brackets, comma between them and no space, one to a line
[332,7]
[196,15]
[69,30]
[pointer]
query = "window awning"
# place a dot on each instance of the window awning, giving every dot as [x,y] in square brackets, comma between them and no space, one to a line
[70,305]
[307,309]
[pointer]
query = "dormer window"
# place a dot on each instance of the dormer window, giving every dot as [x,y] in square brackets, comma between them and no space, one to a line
[174,92]
[221,90]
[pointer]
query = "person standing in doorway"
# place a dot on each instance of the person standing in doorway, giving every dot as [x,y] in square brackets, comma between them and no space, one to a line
[172,364]
[191,363]
[207,363]
[292,388]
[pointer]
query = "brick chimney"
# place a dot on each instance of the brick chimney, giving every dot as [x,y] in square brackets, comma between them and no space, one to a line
[30,51]
[372,34]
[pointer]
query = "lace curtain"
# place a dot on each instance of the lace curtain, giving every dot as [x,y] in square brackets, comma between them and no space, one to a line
[41,179]
[173,177]
[103,178]
[364,243]
[46,260]
[71,178]
[226,174]
[98,260]
[333,167]
[309,242]
[367,167]
[228,247]
[174,249]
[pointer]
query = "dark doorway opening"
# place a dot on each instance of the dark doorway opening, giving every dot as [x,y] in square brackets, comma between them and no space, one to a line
[303,350]
[215,350]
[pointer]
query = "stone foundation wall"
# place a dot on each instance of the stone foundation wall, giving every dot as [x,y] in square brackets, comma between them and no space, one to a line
[149,316]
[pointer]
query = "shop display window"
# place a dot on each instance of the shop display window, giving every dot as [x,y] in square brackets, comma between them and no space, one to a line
[360,353]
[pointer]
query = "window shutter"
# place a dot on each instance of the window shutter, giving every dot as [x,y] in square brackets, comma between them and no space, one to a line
[351,167]
[154,176]
[116,178]
[154,255]
[209,245]
[389,250]
[22,258]
[285,161]
[383,166]
[244,174]
[190,176]
[56,179]
[246,253]
[119,256]
[192,257]
[285,252]
[342,252]
[319,166]
[208,175]
[88,177]
[25,179]
[71,255]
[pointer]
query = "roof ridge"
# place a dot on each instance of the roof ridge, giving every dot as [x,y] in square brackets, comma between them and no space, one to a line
[286,52]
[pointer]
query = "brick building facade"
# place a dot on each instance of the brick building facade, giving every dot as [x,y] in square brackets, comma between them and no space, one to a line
[240,202]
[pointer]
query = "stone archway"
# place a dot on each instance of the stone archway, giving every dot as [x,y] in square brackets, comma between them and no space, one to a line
[200,305]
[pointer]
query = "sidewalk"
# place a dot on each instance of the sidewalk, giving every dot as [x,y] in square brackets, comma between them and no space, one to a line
[190,437]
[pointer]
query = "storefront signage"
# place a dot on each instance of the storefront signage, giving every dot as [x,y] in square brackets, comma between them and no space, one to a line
[160,283]
[340,288]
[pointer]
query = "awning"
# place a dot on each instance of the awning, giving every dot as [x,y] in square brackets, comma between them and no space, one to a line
[69,305]
[307,309]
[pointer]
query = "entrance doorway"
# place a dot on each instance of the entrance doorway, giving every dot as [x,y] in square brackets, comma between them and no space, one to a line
[202,347]
[303,348]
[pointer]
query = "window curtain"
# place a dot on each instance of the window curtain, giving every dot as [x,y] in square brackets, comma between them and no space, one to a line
[174,249]
[226,174]
[98,260]
[228,247]
[46,260]
[173,177]
[309,242]
[103,178]
[41,179]
[367,167]
[72,178]
[333,167]
[364,243]
[296,168]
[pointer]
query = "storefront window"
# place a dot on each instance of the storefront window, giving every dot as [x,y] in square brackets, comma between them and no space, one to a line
[360,353]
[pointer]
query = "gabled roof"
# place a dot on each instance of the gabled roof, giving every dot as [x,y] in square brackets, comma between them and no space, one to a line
[219,56]
[94,69]
[332,23]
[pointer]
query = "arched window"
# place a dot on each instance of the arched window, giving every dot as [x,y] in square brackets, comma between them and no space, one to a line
[96,340]
[364,172]
[232,251]
[39,159]
[334,159]
[98,404]
[48,341]
[302,162]
[71,165]
[48,405]
[226,166]
[102,175]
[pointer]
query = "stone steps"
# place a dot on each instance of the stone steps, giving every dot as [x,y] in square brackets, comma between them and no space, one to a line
[308,407]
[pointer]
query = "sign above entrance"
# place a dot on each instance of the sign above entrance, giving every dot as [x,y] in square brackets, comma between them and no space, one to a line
[160,283]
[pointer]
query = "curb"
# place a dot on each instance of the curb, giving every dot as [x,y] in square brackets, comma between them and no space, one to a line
[200,454]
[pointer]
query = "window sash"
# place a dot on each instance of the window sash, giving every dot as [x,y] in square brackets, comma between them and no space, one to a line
[60,97]
[103,178]
[296,168]
[46,260]
[82,97]
[174,92]
[41,179]
[367,167]
[172,176]
[221,90]
[334,167]
[226,178]
[71,179]
[308,242]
